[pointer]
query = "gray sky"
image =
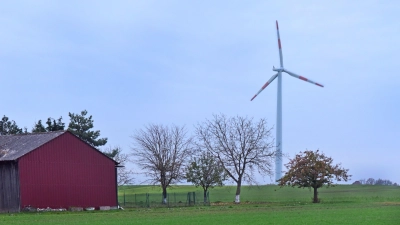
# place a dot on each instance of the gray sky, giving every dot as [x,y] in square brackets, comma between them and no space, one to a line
[131,63]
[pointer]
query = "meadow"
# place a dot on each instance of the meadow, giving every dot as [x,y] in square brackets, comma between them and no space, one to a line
[343,204]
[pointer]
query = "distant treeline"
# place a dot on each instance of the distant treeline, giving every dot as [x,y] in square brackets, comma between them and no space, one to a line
[372,181]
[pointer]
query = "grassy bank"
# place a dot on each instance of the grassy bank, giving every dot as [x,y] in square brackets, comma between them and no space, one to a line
[273,193]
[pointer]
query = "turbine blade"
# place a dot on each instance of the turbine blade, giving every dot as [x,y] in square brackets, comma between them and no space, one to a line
[302,78]
[279,45]
[265,85]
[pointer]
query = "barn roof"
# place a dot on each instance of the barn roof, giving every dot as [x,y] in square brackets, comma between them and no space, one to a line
[13,147]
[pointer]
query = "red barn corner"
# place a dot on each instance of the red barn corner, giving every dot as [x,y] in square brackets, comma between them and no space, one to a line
[56,170]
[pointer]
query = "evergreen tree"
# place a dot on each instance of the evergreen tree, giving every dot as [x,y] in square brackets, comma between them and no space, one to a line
[38,127]
[81,126]
[53,125]
[8,127]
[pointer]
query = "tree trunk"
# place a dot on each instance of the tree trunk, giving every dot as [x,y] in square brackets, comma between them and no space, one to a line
[205,196]
[315,196]
[164,194]
[237,198]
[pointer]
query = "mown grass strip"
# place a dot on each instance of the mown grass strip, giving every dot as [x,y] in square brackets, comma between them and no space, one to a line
[339,213]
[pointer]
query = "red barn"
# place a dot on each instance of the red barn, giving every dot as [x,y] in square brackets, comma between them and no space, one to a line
[56,170]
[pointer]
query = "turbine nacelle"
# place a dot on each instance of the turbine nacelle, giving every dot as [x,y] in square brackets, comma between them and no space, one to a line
[278,69]
[281,70]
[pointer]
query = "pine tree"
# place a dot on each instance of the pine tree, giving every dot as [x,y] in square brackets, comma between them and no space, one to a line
[38,127]
[53,125]
[81,126]
[8,127]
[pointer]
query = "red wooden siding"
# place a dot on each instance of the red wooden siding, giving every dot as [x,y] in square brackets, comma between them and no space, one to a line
[67,172]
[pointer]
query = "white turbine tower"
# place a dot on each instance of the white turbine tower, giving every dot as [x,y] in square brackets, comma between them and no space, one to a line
[278,159]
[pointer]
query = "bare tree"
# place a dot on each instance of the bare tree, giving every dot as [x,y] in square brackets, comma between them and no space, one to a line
[362,181]
[161,152]
[124,175]
[370,181]
[242,146]
[379,181]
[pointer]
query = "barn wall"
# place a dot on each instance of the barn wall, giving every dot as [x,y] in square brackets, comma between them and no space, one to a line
[67,172]
[9,187]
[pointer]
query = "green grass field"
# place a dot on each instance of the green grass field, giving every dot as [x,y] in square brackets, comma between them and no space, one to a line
[344,204]
[273,193]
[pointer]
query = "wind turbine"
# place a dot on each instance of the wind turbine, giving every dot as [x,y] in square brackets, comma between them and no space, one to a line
[278,158]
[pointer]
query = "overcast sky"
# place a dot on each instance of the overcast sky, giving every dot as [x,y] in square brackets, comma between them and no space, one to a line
[131,63]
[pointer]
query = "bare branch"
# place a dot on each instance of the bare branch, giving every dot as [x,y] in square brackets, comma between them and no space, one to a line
[161,152]
[124,176]
[241,146]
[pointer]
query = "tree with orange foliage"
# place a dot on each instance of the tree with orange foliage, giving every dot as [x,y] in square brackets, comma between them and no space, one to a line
[312,169]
